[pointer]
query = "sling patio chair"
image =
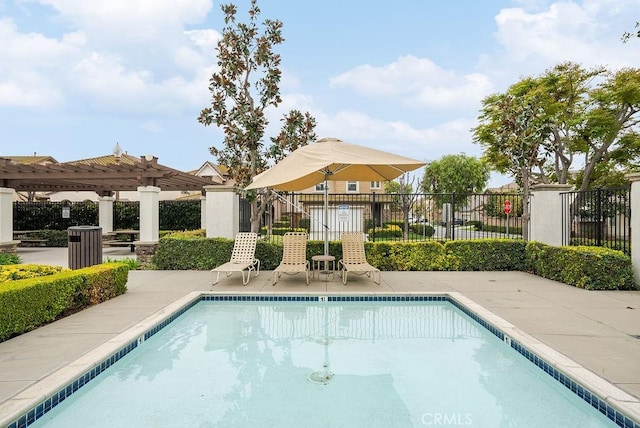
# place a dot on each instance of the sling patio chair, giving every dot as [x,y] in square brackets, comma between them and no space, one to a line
[294,256]
[354,258]
[242,258]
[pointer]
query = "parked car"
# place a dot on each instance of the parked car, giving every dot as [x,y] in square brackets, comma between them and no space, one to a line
[421,221]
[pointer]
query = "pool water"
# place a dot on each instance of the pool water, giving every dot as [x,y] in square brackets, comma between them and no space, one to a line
[343,364]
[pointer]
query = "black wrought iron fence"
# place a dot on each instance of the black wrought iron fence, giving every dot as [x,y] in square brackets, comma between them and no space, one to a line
[600,217]
[53,215]
[402,217]
[173,215]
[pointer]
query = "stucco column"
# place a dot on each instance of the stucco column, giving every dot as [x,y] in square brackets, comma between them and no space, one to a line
[105,213]
[149,214]
[635,224]
[203,212]
[547,223]
[6,216]
[222,212]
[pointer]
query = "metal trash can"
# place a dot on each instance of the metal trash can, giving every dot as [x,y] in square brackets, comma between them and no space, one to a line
[85,246]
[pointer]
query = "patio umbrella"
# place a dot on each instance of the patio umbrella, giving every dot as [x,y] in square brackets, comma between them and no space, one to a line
[332,159]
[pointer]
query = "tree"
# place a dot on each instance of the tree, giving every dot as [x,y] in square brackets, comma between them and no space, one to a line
[512,130]
[592,124]
[403,197]
[459,174]
[610,135]
[627,35]
[246,85]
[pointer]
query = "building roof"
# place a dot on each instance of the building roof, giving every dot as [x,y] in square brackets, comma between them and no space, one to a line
[102,175]
[28,160]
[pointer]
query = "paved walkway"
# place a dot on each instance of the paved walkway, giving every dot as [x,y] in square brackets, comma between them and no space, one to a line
[600,330]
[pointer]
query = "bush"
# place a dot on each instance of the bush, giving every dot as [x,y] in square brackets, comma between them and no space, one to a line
[400,224]
[423,230]
[390,231]
[592,268]
[421,256]
[305,223]
[513,230]
[9,259]
[477,224]
[55,238]
[488,254]
[588,267]
[23,271]
[29,303]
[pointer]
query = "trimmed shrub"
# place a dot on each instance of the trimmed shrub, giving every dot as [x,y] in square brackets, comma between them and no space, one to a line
[29,303]
[379,255]
[24,271]
[592,268]
[423,229]
[390,231]
[421,256]
[588,267]
[488,254]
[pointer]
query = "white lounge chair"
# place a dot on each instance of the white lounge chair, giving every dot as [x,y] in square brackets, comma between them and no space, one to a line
[294,256]
[354,258]
[242,258]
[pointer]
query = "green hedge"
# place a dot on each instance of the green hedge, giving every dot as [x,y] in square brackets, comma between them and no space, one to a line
[29,303]
[184,253]
[421,256]
[587,267]
[488,254]
[423,229]
[592,268]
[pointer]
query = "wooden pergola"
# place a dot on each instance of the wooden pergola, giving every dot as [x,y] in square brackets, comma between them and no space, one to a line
[104,178]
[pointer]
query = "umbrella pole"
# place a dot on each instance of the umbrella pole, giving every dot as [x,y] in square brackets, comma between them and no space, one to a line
[326,218]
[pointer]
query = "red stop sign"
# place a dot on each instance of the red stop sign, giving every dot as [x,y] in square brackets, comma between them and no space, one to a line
[507,207]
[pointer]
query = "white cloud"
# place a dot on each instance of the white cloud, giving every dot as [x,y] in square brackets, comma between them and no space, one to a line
[206,40]
[31,60]
[416,81]
[587,33]
[120,57]
[135,21]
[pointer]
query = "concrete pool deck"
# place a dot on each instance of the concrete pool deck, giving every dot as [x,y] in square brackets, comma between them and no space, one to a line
[600,330]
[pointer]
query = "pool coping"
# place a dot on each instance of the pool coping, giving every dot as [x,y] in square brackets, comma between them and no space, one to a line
[575,377]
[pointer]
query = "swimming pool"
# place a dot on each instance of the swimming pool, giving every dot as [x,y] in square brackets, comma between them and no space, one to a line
[389,360]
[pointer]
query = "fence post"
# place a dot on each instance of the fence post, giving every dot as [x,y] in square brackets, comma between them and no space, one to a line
[223,212]
[373,215]
[635,224]
[545,208]
[105,213]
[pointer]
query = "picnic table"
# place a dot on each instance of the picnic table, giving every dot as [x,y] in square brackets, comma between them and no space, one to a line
[113,241]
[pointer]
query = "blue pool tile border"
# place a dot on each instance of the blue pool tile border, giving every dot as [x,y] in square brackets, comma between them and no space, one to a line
[584,393]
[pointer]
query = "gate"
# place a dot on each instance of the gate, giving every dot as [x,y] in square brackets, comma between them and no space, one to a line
[245,216]
[600,217]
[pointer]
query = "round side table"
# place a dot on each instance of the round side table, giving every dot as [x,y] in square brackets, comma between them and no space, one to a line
[329,266]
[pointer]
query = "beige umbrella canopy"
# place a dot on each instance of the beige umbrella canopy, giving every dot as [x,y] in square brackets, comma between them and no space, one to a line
[332,159]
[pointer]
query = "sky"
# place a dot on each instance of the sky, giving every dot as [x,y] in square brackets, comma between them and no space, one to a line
[77,77]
